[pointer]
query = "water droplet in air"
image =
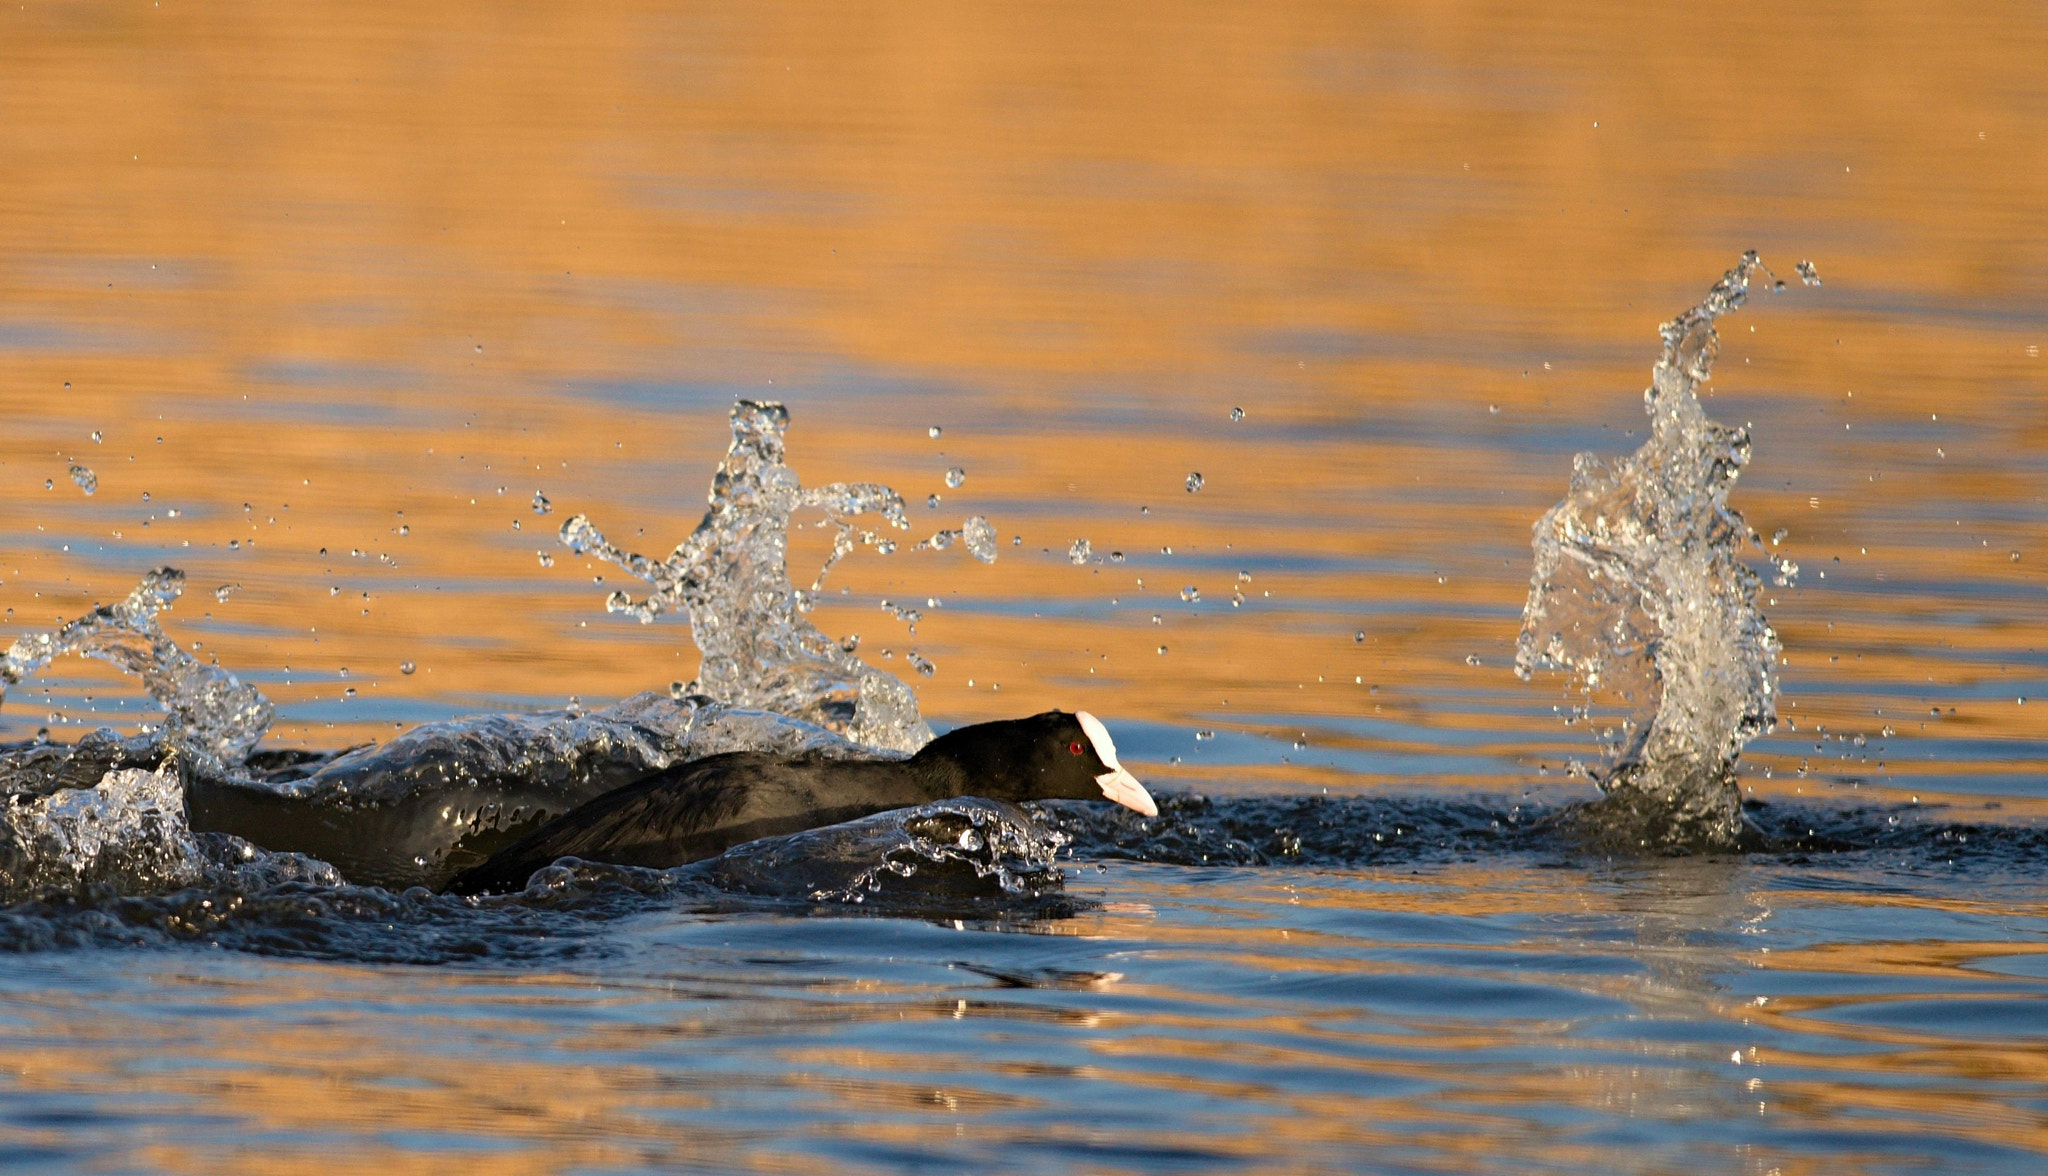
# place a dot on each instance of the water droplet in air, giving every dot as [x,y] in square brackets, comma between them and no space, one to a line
[406,667]
[344,671]
[1162,651]
[955,477]
[1778,536]
[1807,273]
[96,437]
[547,559]
[934,432]
[1236,414]
[1358,637]
[932,500]
[1190,594]
[86,479]
[349,693]
[1204,736]
[224,591]
[541,505]
[1116,557]
[980,538]
[1471,659]
[2013,556]
[1079,552]
[49,483]
[1194,482]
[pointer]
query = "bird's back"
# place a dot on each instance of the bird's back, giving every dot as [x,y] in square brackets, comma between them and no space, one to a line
[699,810]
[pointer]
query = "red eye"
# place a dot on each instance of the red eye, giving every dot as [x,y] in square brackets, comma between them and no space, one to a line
[1074,747]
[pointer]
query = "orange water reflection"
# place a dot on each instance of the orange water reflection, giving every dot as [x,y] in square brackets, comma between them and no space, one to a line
[360,266]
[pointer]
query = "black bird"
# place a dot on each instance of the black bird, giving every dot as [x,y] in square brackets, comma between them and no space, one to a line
[703,808]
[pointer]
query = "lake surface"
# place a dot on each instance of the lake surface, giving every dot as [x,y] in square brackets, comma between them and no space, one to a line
[323,295]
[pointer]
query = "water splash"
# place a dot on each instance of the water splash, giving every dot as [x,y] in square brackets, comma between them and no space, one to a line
[207,709]
[128,830]
[732,577]
[1640,592]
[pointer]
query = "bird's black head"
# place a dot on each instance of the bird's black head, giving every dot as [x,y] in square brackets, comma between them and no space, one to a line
[1053,756]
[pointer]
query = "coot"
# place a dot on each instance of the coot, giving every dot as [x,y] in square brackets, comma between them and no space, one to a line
[700,809]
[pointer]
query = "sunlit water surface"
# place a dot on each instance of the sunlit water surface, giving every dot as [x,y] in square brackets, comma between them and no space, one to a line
[323,296]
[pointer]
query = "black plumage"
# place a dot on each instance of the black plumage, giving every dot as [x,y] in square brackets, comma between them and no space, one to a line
[702,808]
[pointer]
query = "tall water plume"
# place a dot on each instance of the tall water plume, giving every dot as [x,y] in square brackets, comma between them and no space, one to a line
[1640,592]
[731,575]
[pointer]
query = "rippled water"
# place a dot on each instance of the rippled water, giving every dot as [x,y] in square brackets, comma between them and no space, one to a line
[1261,340]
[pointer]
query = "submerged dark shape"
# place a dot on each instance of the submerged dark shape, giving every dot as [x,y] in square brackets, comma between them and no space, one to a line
[703,808]
[1639,589]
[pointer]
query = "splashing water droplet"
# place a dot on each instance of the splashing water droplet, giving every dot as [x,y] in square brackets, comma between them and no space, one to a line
[980,538]
[1078,554]
[1191,594]
[956,477]
[1807,273]
[96,437]
[86,479]
[541,505]
[934,432]
[547,559]
[407,668]
[1194,482]
[1236,414]
[224,591]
